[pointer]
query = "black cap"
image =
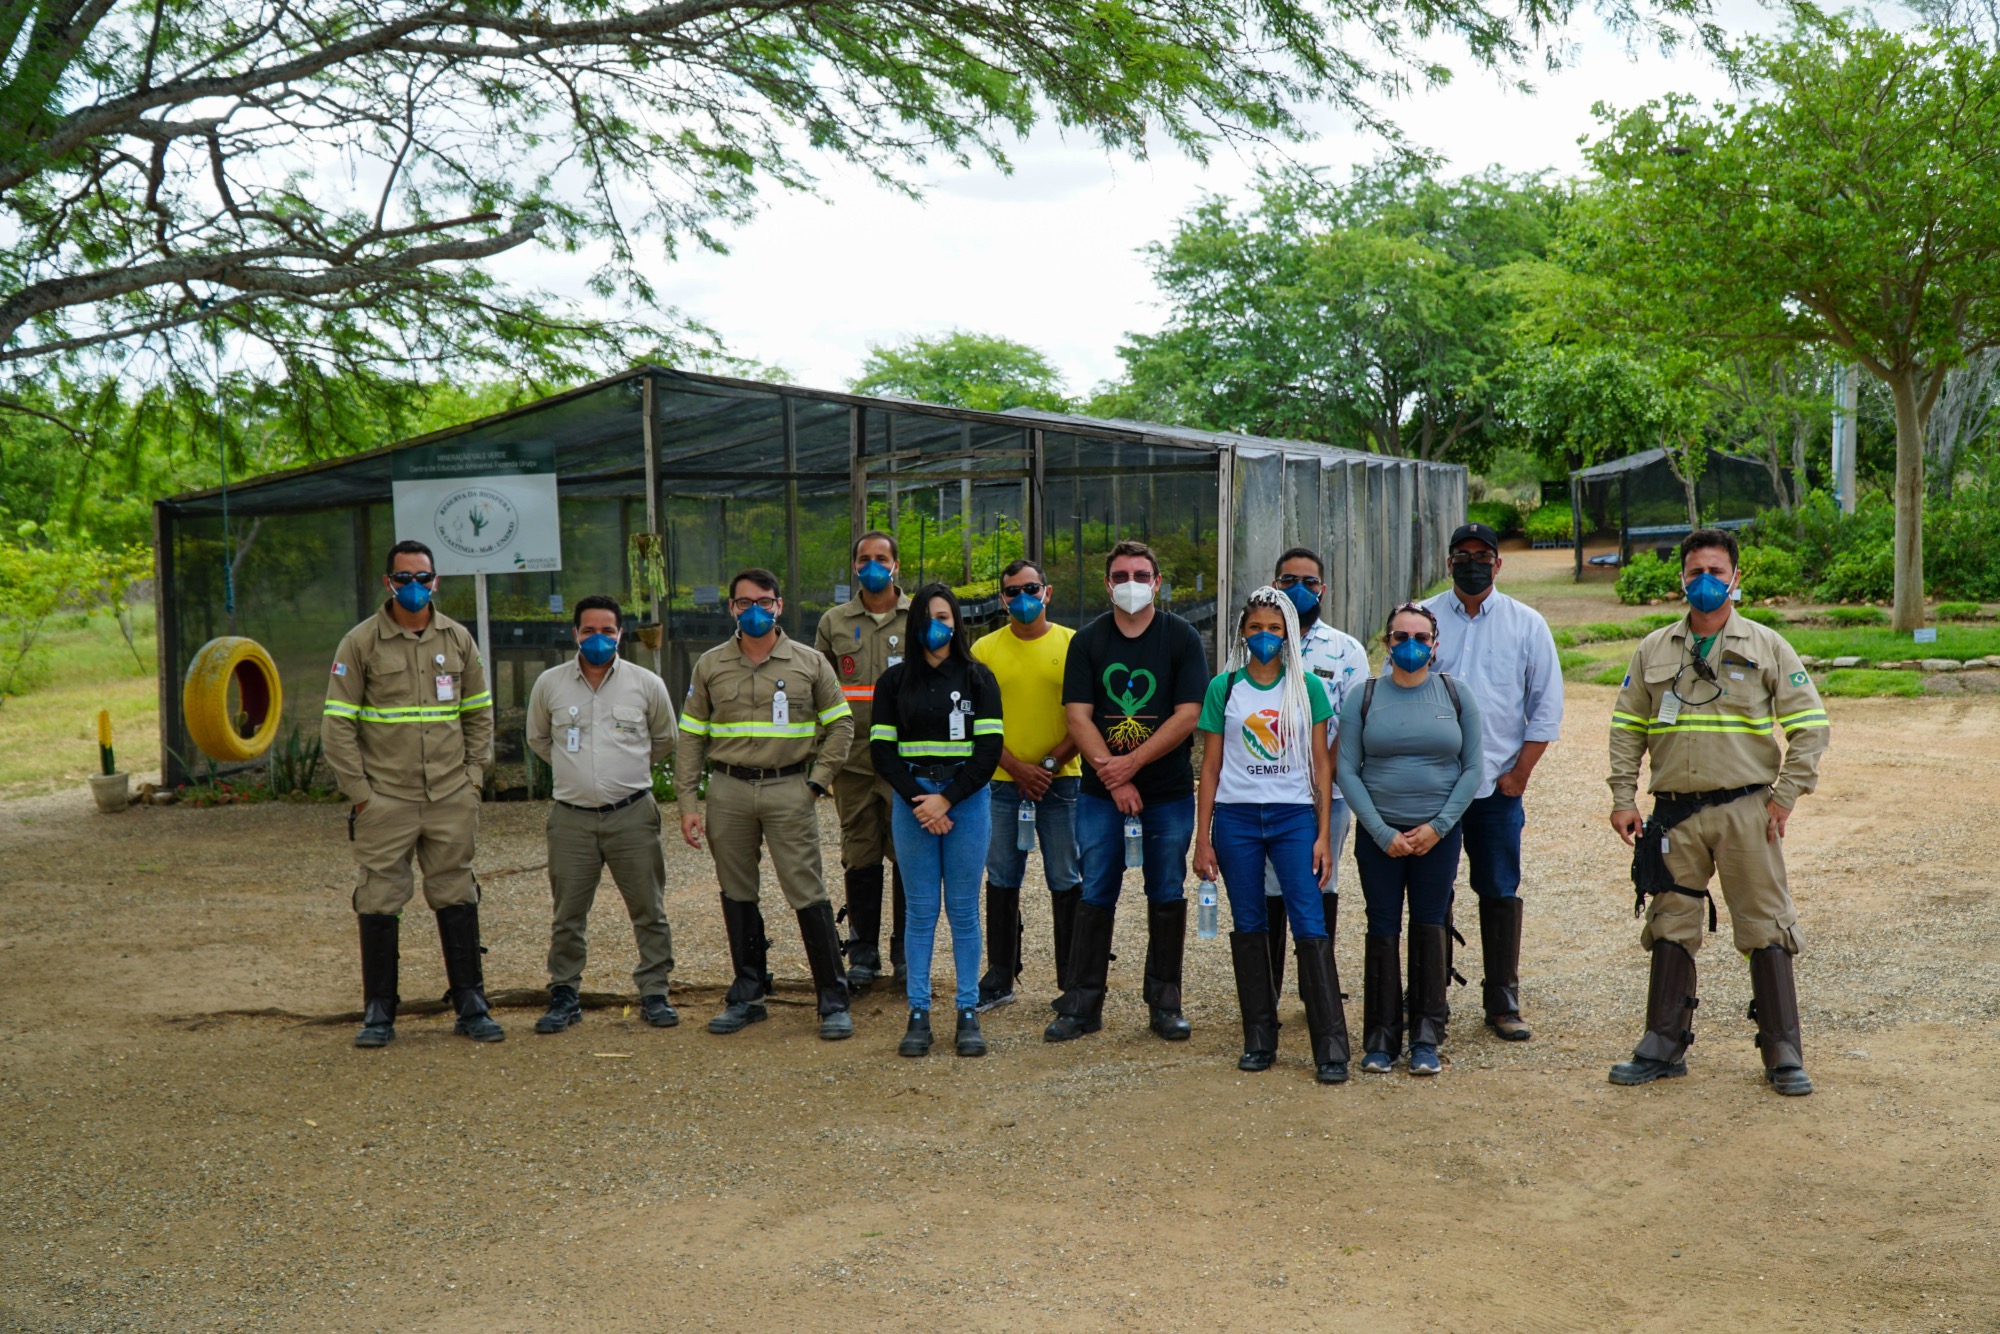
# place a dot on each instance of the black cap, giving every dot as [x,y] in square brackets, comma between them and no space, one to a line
[1474,532]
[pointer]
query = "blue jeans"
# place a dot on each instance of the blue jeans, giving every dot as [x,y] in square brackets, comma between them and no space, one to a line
[951,863]
[1100,845]
[1055,834]
[1492,826]
[1339,821]
[1426,880]
[1247,834]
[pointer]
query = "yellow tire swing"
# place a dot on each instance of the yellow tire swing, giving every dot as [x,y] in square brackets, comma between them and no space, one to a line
[205,699]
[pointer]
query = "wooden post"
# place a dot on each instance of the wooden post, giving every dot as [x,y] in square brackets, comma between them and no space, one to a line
[1225,542]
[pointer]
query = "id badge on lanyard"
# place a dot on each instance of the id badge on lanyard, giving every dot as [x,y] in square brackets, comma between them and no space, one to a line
[444,683]
[957,718]
[781,709]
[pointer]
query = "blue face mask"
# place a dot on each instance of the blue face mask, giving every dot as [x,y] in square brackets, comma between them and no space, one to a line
[1410,655]
[1303,598]
[874,576]
[936,635]
[1705,592]
[598,649]
[412,596]
[756,622]
[1263,645]
[1025,609]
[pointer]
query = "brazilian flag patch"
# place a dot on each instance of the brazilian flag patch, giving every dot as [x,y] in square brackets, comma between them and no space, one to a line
[1798,678]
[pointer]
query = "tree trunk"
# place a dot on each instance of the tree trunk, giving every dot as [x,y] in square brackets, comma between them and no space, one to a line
[1908,612]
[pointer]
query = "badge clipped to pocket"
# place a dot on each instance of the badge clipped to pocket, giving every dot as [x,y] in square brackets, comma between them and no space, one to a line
[573,740]
[781,709]
[957,718]
[1670,707]
[445,695]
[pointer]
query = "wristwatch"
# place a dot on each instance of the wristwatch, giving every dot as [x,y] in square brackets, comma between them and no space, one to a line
[1049,763]
[817,790]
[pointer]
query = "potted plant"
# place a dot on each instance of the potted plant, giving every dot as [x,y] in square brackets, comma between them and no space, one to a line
[112,789]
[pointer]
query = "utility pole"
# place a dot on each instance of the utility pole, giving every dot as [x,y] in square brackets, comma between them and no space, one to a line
[1846,405]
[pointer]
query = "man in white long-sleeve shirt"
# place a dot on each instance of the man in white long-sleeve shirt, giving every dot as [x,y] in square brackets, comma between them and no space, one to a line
[1503,650]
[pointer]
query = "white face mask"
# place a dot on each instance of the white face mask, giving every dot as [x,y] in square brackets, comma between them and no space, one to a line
[1132,597]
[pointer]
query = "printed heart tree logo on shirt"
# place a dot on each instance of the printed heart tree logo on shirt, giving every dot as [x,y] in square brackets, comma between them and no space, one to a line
[1260,736]
[1121,687]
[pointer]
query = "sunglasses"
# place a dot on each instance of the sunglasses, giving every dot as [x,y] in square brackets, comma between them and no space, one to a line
[423,577]
[1012,591]
[1131,576]
[1472,558]
[1292,580]
[1403,636]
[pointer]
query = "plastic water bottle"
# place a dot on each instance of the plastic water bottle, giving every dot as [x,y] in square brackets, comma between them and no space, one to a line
[1135,841]
[1024,827]
[1205,924]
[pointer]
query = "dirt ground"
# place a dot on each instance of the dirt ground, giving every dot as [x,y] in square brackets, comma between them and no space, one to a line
[171,1161]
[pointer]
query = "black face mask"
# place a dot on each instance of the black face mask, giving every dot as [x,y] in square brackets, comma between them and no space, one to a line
[1472,578]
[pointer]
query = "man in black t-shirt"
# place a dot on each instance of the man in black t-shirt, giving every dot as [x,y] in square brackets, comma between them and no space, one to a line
[1132,688]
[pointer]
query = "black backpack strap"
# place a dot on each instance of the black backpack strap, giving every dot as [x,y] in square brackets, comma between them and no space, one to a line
[1451,688]
[1367,698]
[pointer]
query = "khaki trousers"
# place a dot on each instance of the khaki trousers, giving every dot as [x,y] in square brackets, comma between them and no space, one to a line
[1727,842]
[581,845]
[864,802]
[743,817]
[438,835]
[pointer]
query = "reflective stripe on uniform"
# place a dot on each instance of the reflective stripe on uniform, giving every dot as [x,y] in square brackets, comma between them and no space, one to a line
[953,750]
[1711,722]
[881,732]
[859,694]
[1629,722]
[420,713]
[988,727]
[805,730]
[474,703]
[1792,722]
[834,713]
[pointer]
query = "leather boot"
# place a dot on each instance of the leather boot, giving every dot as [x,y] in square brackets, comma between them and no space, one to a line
[969,1041]
[1429,1008]
[379,956]
[917,1036]
[1775,1007]
[1500,952]
[1256,996]
[1062,912]
[1326,1017]
[1080,1009]
[564,1012]
[1381,1002]
[899,920]
[822,942]
[1274,915]
[1003,947]
[743,924]
[863,915]
[465,973]
[1166,944]
[1670,1006]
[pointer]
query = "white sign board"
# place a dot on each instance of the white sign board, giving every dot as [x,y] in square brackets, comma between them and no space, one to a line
[1927,635]
[480,508]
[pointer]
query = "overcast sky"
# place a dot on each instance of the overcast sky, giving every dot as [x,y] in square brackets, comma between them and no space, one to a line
[1050,255]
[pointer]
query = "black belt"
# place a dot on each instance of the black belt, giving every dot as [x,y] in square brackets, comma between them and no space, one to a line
[606,810]
[1721,796]
[1649,861]
[751,774]
[935,773]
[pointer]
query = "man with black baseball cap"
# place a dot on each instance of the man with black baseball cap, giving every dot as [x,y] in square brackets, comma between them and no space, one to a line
[1503,650]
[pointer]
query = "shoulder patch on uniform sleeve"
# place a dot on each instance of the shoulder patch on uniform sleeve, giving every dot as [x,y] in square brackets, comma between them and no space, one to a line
[340,669]
[1798,678]
[1626,682]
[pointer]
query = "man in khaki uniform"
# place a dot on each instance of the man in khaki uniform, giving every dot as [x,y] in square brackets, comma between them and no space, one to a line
[1700,701]
[600,724]
[862,638]
[767,715]
[407,732]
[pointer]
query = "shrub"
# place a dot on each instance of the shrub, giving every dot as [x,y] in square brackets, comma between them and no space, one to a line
[1550,523]
[1862,573]
[1647,577]
[1498,515]
[1857,616]
[1958,611]
[1771,572]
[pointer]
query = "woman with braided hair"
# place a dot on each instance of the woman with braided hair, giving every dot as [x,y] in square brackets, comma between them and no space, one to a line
[1266,777]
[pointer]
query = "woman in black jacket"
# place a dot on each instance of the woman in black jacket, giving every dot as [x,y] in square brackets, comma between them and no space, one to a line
[936,739]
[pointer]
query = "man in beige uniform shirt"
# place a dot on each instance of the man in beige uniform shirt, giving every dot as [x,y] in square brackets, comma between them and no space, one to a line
[767,714]
[407,731]
[1700,703]
[600,724]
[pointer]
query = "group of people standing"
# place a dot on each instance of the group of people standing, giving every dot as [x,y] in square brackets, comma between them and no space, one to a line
[949,760]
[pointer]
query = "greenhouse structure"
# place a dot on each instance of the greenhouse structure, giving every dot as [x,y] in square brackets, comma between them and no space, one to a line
[666,482]
[1642,500]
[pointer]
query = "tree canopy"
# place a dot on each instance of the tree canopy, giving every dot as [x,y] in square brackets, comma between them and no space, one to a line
[966,370]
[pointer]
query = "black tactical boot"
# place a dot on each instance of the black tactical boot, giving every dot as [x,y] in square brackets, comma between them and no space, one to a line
[822,942]
[971,1042]
[1326,1017]
[379,956]
[1256,997]
[1080,1009]
[1062,913]
[743,923]
[564,1011]
[917,1037]
[863,915]
[1500,952]
[1670,1006]
[659,1011]
[1004,932]
[1274,914]
[1166,943]
[465,972]
[1381,1002]
[1775,1007]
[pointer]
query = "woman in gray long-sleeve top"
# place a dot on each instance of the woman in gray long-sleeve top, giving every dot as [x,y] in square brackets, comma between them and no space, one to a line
[1409,766]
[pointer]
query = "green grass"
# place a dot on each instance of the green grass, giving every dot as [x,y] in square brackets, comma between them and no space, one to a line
[1881,644]
[1763,616]
[1856,615]
[1862,682]
[48,736]
[1958,611]
[1573,660]
[1612,675]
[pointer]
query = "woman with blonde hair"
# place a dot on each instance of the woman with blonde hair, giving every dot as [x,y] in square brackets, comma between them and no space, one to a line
[1266,778]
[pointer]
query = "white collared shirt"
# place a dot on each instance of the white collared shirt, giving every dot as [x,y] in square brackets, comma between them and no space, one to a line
[1508,657]
[623,727]
[1340,663]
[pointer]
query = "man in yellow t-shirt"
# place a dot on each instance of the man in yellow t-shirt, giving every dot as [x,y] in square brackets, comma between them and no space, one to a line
[1034,790]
